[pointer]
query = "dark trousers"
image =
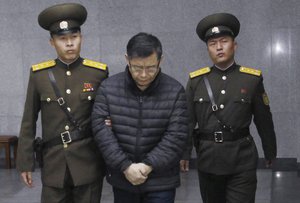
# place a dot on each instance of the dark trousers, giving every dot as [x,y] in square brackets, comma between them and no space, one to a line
[89,193]
[233,188]
[122,196]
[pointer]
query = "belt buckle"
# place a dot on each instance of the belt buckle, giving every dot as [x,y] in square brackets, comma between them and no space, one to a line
[66,138]
[214,107]
[218,136]
[61,101]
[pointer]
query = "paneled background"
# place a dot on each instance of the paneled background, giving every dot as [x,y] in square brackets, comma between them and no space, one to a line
[268,40]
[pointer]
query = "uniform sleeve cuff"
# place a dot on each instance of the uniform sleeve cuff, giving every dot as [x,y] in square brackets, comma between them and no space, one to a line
[125,165]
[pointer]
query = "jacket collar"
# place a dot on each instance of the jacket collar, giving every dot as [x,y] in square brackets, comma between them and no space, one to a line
[130,83]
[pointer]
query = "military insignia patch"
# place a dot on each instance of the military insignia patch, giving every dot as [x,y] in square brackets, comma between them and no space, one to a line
[43,65]
[244,91]
[94,64]
[87,87]
[250,71]
[199,72]
[265,99]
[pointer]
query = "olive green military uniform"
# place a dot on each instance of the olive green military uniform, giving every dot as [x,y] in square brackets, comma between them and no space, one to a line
[77,83]
[220,119]
[239,95]
[72,171]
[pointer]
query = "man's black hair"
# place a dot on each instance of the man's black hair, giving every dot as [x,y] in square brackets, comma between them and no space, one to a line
[143,45]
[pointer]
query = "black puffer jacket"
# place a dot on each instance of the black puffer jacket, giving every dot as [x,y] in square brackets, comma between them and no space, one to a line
[148,127]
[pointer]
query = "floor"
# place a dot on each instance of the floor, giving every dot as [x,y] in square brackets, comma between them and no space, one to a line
[273,187]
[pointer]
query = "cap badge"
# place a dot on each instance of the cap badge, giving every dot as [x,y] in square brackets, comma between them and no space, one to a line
[63,25]
[215,30]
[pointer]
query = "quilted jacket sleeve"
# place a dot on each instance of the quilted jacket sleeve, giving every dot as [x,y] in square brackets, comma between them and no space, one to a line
[106,141]
[169,150]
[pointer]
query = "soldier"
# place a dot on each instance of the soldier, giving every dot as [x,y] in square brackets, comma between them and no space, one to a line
[63,90]
[222,100]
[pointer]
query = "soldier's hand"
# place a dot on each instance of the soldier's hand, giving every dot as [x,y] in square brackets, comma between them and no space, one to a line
[27,178]
[184,165]
[133,174]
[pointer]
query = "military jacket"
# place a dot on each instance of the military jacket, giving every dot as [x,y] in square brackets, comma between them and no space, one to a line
[240,97]
[77,83]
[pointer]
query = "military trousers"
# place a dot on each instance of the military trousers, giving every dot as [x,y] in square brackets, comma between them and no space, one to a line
[233,188]
[89,193]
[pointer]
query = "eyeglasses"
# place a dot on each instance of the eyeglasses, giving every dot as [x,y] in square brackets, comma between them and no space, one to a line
[148,69]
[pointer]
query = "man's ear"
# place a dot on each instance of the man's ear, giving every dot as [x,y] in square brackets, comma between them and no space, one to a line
[235,45]
[51,41]
[127,59]
[161,59]
[81,37]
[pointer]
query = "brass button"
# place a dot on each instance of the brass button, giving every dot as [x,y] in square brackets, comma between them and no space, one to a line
[224,77]
[222,106]
[223,91]
[68,91]
[68,73]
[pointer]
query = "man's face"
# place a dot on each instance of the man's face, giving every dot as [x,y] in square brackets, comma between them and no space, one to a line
[221,50]
[143,70]
[67,46]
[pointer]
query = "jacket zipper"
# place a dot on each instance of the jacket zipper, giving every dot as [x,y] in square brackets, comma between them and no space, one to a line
[139,131]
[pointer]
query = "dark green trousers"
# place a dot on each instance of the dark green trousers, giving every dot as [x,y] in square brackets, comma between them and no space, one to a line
[233,188]
[89,193]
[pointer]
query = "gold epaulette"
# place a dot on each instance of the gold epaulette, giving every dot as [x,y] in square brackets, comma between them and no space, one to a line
[199,72]
[250,71]
[43,65]
[94,64]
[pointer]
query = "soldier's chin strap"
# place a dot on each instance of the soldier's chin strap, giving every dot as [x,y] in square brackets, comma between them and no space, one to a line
[60,100]
[214,106]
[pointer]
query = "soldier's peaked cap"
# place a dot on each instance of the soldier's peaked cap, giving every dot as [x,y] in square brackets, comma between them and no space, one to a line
[218,24]
[63,18]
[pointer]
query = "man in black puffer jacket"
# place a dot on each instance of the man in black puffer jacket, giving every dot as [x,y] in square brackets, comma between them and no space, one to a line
[143,144]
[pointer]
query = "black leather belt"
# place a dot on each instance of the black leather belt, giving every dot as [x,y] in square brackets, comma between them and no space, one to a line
[68,137]
[221,136]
